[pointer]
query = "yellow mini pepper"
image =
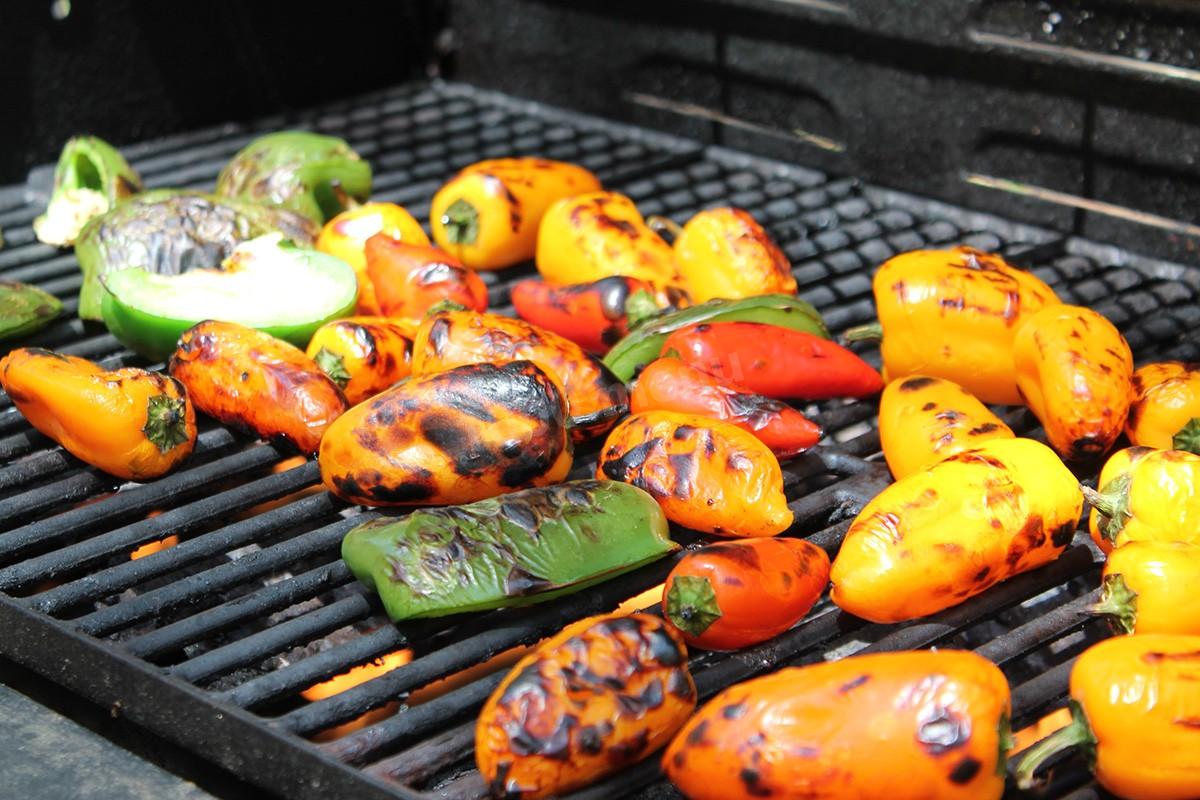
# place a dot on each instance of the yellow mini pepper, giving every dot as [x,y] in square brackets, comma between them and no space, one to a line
[1155,498]
[345,236]
[1165,413]
[1150,587]
[364,355]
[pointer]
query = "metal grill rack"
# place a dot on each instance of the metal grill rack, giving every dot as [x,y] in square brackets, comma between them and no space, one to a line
[209,643]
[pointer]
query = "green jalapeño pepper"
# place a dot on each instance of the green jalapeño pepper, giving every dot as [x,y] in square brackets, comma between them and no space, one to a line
[25,309]
[523,548]
[91,177]
[644,344]
[314,175]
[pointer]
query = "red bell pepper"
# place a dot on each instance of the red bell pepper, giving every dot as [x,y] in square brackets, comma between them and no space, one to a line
[670,385]
[774,361]
[410,278]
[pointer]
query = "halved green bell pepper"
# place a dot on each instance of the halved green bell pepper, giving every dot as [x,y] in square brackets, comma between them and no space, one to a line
[91,177]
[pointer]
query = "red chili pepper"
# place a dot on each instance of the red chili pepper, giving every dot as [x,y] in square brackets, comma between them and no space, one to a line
[671,385]
[775,361]
[593,315]
[410,278]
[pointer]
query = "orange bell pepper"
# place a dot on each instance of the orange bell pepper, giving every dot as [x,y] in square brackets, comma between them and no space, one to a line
[346,235]
[409,279]
[1165,413]
[363,355]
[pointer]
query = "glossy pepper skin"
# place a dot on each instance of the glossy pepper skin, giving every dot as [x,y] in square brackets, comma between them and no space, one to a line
[1074,370]
[776,362]
[600,695]
[1135,703]
[455,338]
[953,314]
[909,726]
[923,420]
[707,475]
[456,436]
[668,384]
[724,252]
[935,538]
[1157,498]
[409,278]
[131,423]
[253,381]
[1117,466]
[363,355]
[1165,413]
[735,594]
[1150,587]
[526,547]
[596,235]
[346,235]
[594,315]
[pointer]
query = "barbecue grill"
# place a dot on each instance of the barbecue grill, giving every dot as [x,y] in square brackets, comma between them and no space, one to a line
[210,643]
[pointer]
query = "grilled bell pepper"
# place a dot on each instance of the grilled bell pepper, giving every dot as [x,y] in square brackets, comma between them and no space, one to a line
[129,422]
[456,436]
[409,279]
[598,235]
[907,726]
[1074,370]
[724,252]
[25,309]
[735,594]
[776,362]
[487,216]
[255,382]
[527,547]
[314,175]
[593,315]
[603,693]
[1150,587]
[1165,413]
[168,232]
[668,384]
[1117,465]
[596,399]
[363,355]
[935,538]
[1156,497]
[707,475]
[90,178]
[645,344]
[274,286]
[346,235]
[953,314]
[923,420]
[1135,708]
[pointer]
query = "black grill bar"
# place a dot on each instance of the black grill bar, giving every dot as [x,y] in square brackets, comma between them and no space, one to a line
[1047,626]
[1031,697]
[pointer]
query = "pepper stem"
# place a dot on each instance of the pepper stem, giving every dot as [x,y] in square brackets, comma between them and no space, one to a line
[597,419]
[692,604]
[661,225]
[1112,501]
[334,366]
[1188,437]
[1117,602]
[444,305]
[166,422]
[1076,734]
[461,222]
[871,332]
[639,308]
[1006,743]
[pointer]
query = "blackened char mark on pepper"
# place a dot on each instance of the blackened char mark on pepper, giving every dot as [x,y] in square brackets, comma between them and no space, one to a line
[629,465]
[519,583]
[942,729]
[916,383]
[986,427]
[851,685]
[1086,446]
[520,515]
[495,185]
[752,781]
[739,554]
[528,697]
[684,467]
[734,710]
[629,749]
[965,770]
[416,487]
[471,458]
[1063,534]
[365,340]
[591,737]
[679,685]
[1154,657]
[439,334]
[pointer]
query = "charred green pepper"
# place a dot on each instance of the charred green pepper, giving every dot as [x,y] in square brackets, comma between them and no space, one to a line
[523,548]
[25,309]
[91,177]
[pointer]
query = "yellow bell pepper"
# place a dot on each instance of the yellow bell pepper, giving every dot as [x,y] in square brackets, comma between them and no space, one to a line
[1150,587]
[364,355]
[345,236]
[1165,413]
[1156,497]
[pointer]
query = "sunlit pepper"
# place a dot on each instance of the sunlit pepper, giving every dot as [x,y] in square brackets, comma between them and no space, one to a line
[409,278]
[931,540]
[734,594]
[1156,497]
[1135,707]
[129,422]
[363,355]
[907,726]
[1165,413]
[668,384]
[1074,370]
[346,235]
[1150,587]
[1116,466]
[923,420]
[600,695]
[707,475]
[90,178]
[953,314]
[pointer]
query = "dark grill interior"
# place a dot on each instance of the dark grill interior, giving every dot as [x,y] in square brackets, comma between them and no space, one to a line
[209,643]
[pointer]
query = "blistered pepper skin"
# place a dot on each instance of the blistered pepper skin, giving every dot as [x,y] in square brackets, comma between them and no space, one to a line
[953,314]
[253,381]
[724,252]
[455,338]
[935,538]
[131,423]
[346,235]
[602,694]
[409,279]
[1165,413]
[1154,496]
[923,420]
[707,475]
[487,216]
[363,355]
[906,726]
[1074,371]
[457,436]
[1150,587]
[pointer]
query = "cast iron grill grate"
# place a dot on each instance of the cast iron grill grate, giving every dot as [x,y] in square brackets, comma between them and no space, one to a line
[211,642]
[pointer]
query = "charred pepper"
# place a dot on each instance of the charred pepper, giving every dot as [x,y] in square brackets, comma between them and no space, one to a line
[1150,587]
[409,278]
[363,355]
[91,177]
[1165,413]
[25,309]
[1156,498]
[346,235]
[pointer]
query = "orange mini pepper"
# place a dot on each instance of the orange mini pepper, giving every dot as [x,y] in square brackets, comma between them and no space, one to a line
[363,355]
[409,278]
[1150,587]
[346,235]
[1165,413]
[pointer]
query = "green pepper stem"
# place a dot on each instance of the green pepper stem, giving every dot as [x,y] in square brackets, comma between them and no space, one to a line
[1117,602]
[871,332]
[692,604]
[1188,437]
[444,305]
[461,222]
[661,225]
[334,366]
[166,422]
[639,308]
[1078,733]
[1105,504]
